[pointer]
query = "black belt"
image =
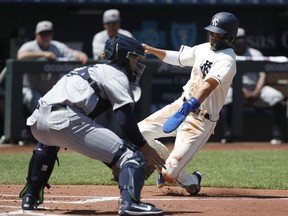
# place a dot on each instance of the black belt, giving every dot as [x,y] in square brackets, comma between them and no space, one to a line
[197,111]
[55,107]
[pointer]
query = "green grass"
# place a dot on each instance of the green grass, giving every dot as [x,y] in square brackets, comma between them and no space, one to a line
[242,169]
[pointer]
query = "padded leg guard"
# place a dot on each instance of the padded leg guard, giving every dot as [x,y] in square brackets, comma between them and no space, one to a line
[40,169]
[131,179]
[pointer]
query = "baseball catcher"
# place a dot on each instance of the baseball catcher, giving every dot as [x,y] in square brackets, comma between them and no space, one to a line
[65,118]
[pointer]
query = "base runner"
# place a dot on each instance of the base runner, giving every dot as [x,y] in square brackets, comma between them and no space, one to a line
[192,118]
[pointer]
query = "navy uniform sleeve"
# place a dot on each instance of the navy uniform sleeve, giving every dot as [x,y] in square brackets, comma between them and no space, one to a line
[129,126]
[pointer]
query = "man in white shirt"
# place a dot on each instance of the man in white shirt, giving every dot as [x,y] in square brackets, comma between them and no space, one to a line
[112,26]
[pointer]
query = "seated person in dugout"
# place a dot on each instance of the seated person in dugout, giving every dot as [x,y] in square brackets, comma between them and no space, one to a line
[256,94]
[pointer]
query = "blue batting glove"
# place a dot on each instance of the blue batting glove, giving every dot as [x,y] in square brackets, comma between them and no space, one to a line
[189,105]
[178,117]
[173,122]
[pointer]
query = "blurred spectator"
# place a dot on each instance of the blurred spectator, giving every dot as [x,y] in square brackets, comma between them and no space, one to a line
[43,47]
[2,111]
[112,25]
[256,94]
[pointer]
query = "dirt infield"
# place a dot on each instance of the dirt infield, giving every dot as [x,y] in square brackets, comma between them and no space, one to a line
[103,200]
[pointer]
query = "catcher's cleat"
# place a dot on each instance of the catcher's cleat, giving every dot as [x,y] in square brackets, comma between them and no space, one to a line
[194,189]
[160,181]
[29,202]
[138,209]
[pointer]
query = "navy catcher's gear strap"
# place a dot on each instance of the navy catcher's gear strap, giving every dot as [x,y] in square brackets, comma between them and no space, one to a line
[83,72]
[131,178]
[40,169]
[103,104]
[118,154]
[116,170]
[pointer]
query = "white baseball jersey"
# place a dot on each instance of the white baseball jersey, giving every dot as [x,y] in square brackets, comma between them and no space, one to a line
[219,65]
[195,130]
[73,90]
[100,39]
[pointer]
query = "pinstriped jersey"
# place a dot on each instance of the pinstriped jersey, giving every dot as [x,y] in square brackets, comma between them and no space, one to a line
[75,91]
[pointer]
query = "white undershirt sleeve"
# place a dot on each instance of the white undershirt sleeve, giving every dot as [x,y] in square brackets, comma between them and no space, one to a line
[171,57]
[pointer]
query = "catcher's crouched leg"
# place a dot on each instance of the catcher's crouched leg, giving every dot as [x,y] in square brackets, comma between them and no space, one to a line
[131,178]
[131,182]
[40,169]
[160,148]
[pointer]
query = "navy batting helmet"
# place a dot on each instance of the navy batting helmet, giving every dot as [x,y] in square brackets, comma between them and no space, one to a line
[224,23]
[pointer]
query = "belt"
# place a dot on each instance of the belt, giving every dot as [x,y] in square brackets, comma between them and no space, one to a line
[55,107]
[197,112]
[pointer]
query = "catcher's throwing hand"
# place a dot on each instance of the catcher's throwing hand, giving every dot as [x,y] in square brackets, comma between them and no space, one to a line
[152,157]
[178,117]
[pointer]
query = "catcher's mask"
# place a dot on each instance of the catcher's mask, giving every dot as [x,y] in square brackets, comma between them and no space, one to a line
[226,24]
[126,52]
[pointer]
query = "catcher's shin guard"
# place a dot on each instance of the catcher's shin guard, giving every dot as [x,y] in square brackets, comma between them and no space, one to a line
[131,178]
[40,169]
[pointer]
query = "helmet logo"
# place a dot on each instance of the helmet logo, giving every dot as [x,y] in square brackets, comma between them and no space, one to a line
[215,21]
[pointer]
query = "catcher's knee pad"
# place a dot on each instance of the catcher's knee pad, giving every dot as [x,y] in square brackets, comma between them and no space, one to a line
[132,177]
[125,153]
[40,169]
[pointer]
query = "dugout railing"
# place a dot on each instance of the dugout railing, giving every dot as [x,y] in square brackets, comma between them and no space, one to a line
[161,84]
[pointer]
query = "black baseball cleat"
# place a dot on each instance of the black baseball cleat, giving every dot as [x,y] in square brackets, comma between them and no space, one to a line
[194,189]
[29,202]
[127,209]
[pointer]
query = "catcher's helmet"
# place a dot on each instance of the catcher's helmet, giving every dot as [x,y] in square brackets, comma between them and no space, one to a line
[224,23]
[126,52]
